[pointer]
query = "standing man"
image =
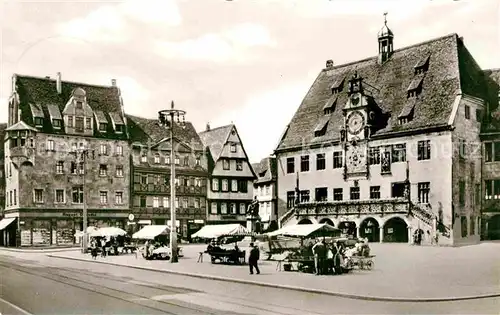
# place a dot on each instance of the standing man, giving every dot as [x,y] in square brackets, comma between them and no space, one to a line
[254,258]
[319,251]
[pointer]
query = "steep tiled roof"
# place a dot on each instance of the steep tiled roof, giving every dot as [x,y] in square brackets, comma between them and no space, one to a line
[265,170]
[215,139]
[144,130]
[451,69]
[38,93]
[492,123]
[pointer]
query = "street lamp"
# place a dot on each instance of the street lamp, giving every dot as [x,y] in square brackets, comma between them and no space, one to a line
[83,156]
[168,118]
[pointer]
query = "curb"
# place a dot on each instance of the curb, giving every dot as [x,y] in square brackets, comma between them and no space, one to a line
[37,251]
[290,287]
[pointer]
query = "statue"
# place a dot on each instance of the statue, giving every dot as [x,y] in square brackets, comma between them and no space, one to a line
[297,196]
[253,208]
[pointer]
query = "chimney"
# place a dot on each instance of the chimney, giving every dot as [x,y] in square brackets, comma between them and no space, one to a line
[329,64]
[59,83]
[208,127]
[113,82]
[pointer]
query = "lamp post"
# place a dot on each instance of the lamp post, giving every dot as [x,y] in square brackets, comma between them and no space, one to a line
[83,156]
[168,118]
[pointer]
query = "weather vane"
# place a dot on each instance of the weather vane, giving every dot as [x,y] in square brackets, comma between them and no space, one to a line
[385,17]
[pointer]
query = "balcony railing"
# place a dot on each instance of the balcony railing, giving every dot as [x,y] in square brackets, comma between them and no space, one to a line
[358,207]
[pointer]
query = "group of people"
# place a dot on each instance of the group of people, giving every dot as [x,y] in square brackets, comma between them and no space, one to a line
[213,248]
[329,258]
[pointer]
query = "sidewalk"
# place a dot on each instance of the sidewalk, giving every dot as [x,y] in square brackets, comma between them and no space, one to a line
[401,273]
[40,249]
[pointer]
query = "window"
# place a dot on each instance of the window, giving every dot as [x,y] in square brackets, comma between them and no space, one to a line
[374,155]
[177,160]
[103,196]
[225,185]
[472,226]
[119,128]
[424,150]
[118,197]
[423,192]
[60,196]
[144,179]
[239,165]
[462,148]
[119,150]
[79,105]
[399,153]
[144,158]
[243,208]
[320,161]
[103,127]
[496,151]
[461,192]
[167,160]
[176,202]
[467,111]
[398,190]
[74,147]
[225,164]
[290,199]
[103,149]
[77,194]
[305,196]
[70,121]
[488,152]
[38,196]
[198,162]
[177,182]
[79,123]
[479,115]
[385,160]
[186,161]
[60,167]
[213,207]
[50,145]
[197,202]
[166,202]
[463,225]
[375,192]
[290,165]
[234,185]
[304,163]
[73,168]
[215,184]
[142,201]
[242,186]
[496,189]
[223,208]
[156,202]
[268,188]
[15,197]
[337,194]
[56,123]
[88,123]
[354,192]
[232,208]
[157,159]
[38,121]
[322,194]
[103,170]
[477,194]
[119,171]
[233,147]
[337,159]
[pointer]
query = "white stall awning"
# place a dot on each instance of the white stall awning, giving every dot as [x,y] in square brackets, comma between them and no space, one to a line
[149,232]
[6,222]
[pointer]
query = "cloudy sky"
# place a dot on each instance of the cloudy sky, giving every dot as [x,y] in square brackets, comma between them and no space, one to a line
[244,61]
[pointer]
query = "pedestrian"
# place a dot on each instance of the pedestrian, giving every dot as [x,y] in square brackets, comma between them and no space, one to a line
[319,251]
[254,258]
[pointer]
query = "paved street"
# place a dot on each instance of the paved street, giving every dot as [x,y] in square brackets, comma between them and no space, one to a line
[44,285]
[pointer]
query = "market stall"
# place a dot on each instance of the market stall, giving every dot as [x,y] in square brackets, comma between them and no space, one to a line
[156,238]
[111,240]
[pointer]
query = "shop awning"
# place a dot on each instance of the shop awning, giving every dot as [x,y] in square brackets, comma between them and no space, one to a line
[108,231]
[6,222]
[149,232]
[218,230]
[305,230]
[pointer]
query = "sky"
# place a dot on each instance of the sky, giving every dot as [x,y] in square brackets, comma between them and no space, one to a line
[247,62]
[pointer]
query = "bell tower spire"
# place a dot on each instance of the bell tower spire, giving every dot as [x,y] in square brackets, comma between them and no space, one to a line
[385,42]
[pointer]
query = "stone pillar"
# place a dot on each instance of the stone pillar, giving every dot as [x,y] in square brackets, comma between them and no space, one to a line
[381,234]
[410,235]
[358,231]
[252,223]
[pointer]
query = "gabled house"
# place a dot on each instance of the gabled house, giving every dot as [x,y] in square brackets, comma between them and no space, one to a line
[266,193]
[151,163]
[62,154]
[230,189]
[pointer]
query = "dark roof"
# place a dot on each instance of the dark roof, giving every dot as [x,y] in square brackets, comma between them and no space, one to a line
[492,123]
[451,70]
[149,131]
[215,139]
[3,126]
[39,93]
[265,170]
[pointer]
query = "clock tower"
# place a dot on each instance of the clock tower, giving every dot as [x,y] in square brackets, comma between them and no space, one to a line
[356,131]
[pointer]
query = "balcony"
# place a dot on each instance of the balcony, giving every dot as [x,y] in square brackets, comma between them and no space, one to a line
[354,207]
[22,154]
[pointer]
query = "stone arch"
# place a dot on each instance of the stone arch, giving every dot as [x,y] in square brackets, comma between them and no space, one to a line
[493,229]
[396,230]
[305,221]
[327,221]
[370,228]
[348,228]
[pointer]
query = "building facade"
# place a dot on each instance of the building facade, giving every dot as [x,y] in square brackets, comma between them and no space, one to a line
[151,162]
[230,189]
[385,147]
[490,136]
[266,193]
[66,148]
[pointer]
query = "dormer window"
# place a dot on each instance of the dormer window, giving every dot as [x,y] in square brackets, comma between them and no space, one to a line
[338,85]
[407,112]
[38,121]
[79,124]
[88,123]
[79,105]
[57,123]
[103,127]
[330,105]
[422,66]
[120,128]
[321,127]
[415,87]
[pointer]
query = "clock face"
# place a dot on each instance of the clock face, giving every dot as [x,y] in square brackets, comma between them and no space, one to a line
[355,122]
